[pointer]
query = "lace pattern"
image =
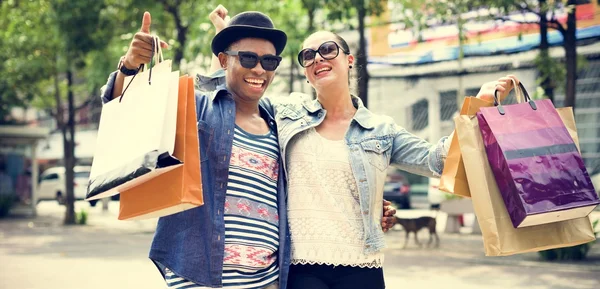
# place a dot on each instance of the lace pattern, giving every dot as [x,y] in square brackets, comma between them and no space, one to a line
[323,205]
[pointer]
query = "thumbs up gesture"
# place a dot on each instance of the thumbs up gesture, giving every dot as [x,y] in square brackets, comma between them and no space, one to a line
[140,49]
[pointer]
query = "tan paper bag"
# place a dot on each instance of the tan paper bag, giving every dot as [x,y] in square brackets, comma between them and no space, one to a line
[180,188]
[454,178]
[500,238]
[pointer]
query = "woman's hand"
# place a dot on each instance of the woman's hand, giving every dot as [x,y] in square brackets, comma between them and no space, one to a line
[388,220]
[503,85]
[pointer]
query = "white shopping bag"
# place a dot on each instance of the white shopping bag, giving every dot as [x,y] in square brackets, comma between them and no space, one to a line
[136,136]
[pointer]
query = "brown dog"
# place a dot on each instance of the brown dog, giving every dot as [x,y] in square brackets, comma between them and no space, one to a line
[415,225]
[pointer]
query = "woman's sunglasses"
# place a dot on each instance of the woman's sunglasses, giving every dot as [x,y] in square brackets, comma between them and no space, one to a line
[249,59]
[328,50]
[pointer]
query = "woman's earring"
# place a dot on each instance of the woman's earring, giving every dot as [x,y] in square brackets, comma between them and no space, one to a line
[307,81]
[350,66]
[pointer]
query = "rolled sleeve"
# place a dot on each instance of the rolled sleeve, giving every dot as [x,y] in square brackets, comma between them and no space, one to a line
[106,91]
[414,154]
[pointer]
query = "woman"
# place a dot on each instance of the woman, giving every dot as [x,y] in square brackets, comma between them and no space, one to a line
[336,153]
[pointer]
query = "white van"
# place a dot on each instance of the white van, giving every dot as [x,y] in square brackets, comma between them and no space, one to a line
[52,184]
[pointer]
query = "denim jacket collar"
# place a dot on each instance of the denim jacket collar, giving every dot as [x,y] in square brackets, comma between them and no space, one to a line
[264,111]
[220,92]
[363,116]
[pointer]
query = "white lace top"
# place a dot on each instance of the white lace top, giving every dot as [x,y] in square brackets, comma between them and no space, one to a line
[323,204]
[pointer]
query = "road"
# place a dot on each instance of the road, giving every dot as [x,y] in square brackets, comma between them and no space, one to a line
[107,253]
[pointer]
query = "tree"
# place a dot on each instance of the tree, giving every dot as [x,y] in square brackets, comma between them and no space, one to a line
[290,18]
[75,44]
[550,73]
[45,58]
[422,13]
[357,9]
[24,59]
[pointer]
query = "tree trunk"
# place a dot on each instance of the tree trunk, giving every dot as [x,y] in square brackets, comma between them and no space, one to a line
[460,92]
[181,39]
[181,32]
[363,73]
[292,71]
[311,7]
[311,19]
[69,152]
[547,83]
[570,45]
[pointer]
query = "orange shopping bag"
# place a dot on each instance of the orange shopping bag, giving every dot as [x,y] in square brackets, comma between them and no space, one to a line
[454,178]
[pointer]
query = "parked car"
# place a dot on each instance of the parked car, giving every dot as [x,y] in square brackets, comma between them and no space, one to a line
[397,189]
[52,184]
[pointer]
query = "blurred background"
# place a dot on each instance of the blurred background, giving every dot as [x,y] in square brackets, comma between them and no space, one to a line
[416,61]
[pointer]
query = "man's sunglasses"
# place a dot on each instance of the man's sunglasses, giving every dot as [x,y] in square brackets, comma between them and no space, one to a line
[328,50]
[249,59]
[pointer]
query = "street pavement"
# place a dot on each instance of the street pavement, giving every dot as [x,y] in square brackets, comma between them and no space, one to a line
[108,253]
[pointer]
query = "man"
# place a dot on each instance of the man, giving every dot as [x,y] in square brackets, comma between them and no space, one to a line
[239,238]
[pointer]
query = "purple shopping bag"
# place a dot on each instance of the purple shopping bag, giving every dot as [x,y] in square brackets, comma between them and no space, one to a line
[540,173]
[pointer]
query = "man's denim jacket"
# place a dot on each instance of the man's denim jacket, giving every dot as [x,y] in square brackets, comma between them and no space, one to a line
[374,141]
[191,243]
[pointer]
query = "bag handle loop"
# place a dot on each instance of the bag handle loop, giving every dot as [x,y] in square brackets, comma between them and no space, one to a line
[520,93]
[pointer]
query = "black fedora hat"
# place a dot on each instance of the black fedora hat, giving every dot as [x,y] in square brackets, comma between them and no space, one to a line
[249,24]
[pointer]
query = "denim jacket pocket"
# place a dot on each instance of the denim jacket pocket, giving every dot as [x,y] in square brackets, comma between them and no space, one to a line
[376,151]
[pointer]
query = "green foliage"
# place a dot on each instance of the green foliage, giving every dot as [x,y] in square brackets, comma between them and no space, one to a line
[82,217]
[28,52]
[550,69]
[347,12]
[36,50]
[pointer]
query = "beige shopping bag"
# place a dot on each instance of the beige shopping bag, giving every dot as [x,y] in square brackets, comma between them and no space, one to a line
[147,146]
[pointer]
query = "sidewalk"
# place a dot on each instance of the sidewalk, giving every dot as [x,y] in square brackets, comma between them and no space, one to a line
[108,253]
[469,247]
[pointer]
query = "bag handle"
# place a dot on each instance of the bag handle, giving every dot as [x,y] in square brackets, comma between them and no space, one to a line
[520,93]
[157,56]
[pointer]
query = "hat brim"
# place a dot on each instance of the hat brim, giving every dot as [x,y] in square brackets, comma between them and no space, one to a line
[232,34]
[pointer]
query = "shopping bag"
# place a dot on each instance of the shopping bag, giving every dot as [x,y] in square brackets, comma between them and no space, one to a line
[538,169]
[136,135]
[178,189]
[500,237]
[454,178]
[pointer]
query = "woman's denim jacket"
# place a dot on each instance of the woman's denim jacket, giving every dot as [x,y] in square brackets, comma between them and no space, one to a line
[374,142]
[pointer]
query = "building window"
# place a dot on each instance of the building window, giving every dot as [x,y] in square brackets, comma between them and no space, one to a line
[420,115]
[448,105]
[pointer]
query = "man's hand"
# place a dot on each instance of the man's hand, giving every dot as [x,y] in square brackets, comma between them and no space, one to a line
[219,18]
[388,220]
[140,49]
[504,85]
